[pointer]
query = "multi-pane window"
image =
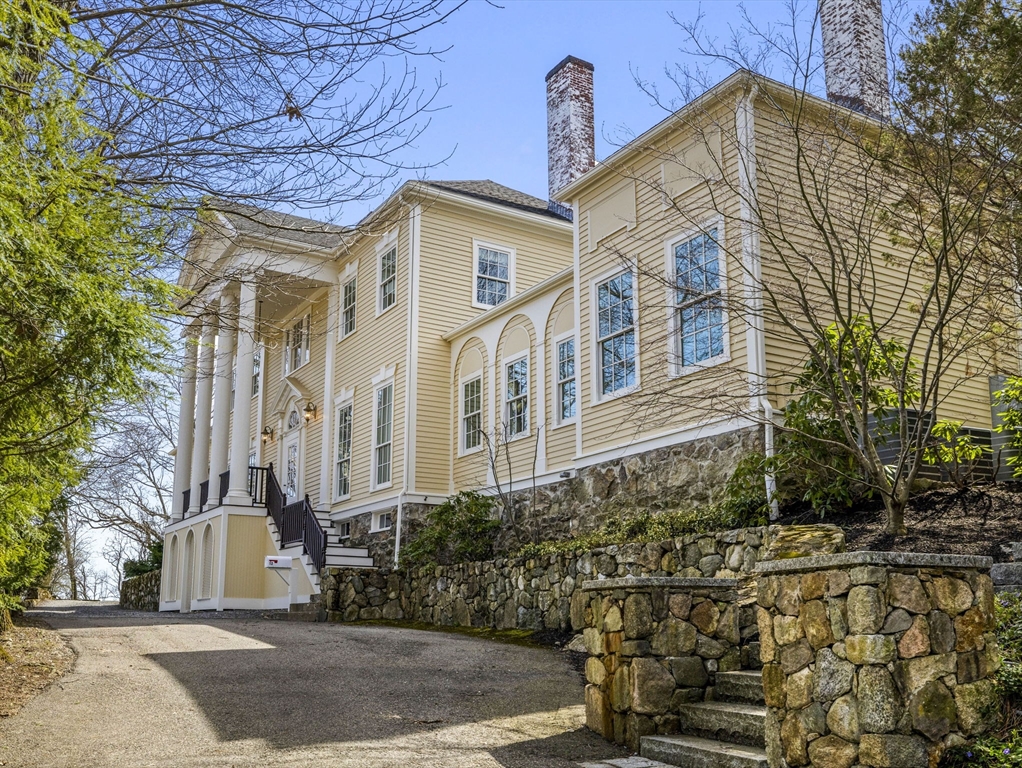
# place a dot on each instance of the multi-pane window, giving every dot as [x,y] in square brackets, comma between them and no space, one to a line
[291,472]
[342,471]
[257,364]
[517,397]
[493,276]
[384,521]
[296,344]
[472,414]
[566,379]
[699,311]
[388,279]
[384,434]
[343,530]
[348,308]
[616,333]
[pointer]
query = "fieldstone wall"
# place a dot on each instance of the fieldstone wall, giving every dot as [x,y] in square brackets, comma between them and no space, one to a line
[141,593]
[676,477]
[875,658]
[540,593]
[657,643]
[381,543]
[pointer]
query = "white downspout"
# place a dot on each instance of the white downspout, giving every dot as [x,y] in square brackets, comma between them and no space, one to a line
[753,278]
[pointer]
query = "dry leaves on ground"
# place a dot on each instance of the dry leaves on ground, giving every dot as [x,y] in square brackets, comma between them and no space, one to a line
[31,657]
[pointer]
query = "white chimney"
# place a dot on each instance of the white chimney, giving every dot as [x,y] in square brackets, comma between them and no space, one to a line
[854,55]
[571,139]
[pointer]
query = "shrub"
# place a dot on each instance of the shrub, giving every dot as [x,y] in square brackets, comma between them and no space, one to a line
[462,529]
[153,561]
[953,452]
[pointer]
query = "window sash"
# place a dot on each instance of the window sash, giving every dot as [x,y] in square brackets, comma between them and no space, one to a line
[699,319]
[257,364]
[472,413]
[296,345]
[342,471]
[493,276]
[348,308]
[388,278]
[384,433]
[566,379]
[616,333]
[516,397]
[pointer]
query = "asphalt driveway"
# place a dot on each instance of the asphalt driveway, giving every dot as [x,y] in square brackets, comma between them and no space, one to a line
[238,690]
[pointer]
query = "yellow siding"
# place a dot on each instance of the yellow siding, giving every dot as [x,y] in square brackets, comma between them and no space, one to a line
[445,302]
[470,470]
[660,404]
[560,438]
[248,543]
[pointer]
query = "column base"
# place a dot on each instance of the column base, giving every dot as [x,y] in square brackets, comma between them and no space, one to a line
[238,499]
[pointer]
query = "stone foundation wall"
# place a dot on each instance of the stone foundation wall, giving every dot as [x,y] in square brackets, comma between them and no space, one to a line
[875,658]
[544,592]
[655,644]
[381,543]
[141,593]
[676,477]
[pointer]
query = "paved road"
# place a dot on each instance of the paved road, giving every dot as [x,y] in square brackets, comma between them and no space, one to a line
[237,690]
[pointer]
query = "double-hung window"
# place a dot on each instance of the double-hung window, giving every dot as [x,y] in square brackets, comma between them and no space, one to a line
[348,308]
[388,279]
[566,380]
[616,333]
[699,321]
[342,464]
[472,414]
[493,273]
[257,364]
[516,398]
[296,344]
[383,435]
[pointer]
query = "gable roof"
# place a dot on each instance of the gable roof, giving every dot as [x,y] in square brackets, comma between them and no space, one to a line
[492,192]
[268,224]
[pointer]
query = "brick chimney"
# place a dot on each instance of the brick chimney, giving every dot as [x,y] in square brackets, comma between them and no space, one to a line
[854,55]
[571,140]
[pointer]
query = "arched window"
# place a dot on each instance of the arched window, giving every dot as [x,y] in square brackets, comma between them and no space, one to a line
[206,585]
[293,419]
[171,571]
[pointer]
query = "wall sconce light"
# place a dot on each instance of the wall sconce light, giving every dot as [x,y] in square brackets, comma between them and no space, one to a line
[267,434]
[309,411]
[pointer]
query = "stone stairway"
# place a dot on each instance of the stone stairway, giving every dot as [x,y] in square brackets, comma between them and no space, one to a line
[1007,577]
[727,732]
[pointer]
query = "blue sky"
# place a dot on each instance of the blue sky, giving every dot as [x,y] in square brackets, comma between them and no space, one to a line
[494,120]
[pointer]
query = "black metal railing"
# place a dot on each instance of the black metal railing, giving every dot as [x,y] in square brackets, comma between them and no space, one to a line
[257,484]
[296,522]
[203,494]
[186,494]
[225,485]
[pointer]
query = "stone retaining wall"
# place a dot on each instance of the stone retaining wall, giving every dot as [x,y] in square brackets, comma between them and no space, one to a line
[141,593]
[657,643]
[875,658]
[543,592]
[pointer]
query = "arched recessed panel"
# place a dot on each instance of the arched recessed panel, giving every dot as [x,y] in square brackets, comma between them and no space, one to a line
[565,320]
[517,341]
[471,361]
[206,584]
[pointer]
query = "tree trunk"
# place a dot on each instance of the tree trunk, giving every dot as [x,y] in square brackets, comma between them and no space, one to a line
[6,625]
[895,504]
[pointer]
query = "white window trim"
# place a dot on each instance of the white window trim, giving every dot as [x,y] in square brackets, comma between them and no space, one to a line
[389,242]
[341,333]
[378,517]
[258,361]
[596,393]
[512,254]
[462,381]
[674,370]
[339,405]
[379,384]
[504,363]
[555,398]
[339,525]
[289,324]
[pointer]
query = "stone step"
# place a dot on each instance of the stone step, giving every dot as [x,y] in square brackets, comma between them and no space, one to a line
[340,549]
[724,720]
[1008,588]
[745,686]
[695,752]
[1006,573]
[348,561]
[626,762]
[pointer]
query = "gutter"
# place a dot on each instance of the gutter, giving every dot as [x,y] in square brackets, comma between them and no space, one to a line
[752,278]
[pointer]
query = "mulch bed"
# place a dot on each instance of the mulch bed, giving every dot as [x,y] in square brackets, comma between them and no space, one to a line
[31,657]
[975,521]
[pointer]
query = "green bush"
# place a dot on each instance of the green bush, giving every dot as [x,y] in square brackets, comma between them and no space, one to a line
[153,561]
[460,530]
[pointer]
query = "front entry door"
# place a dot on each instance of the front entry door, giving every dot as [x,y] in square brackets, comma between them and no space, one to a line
[292,469]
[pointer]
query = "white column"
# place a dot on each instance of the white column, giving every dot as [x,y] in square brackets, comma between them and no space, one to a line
[238,493]
[185,425]
[326,408]
[222,393]
[203,406]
